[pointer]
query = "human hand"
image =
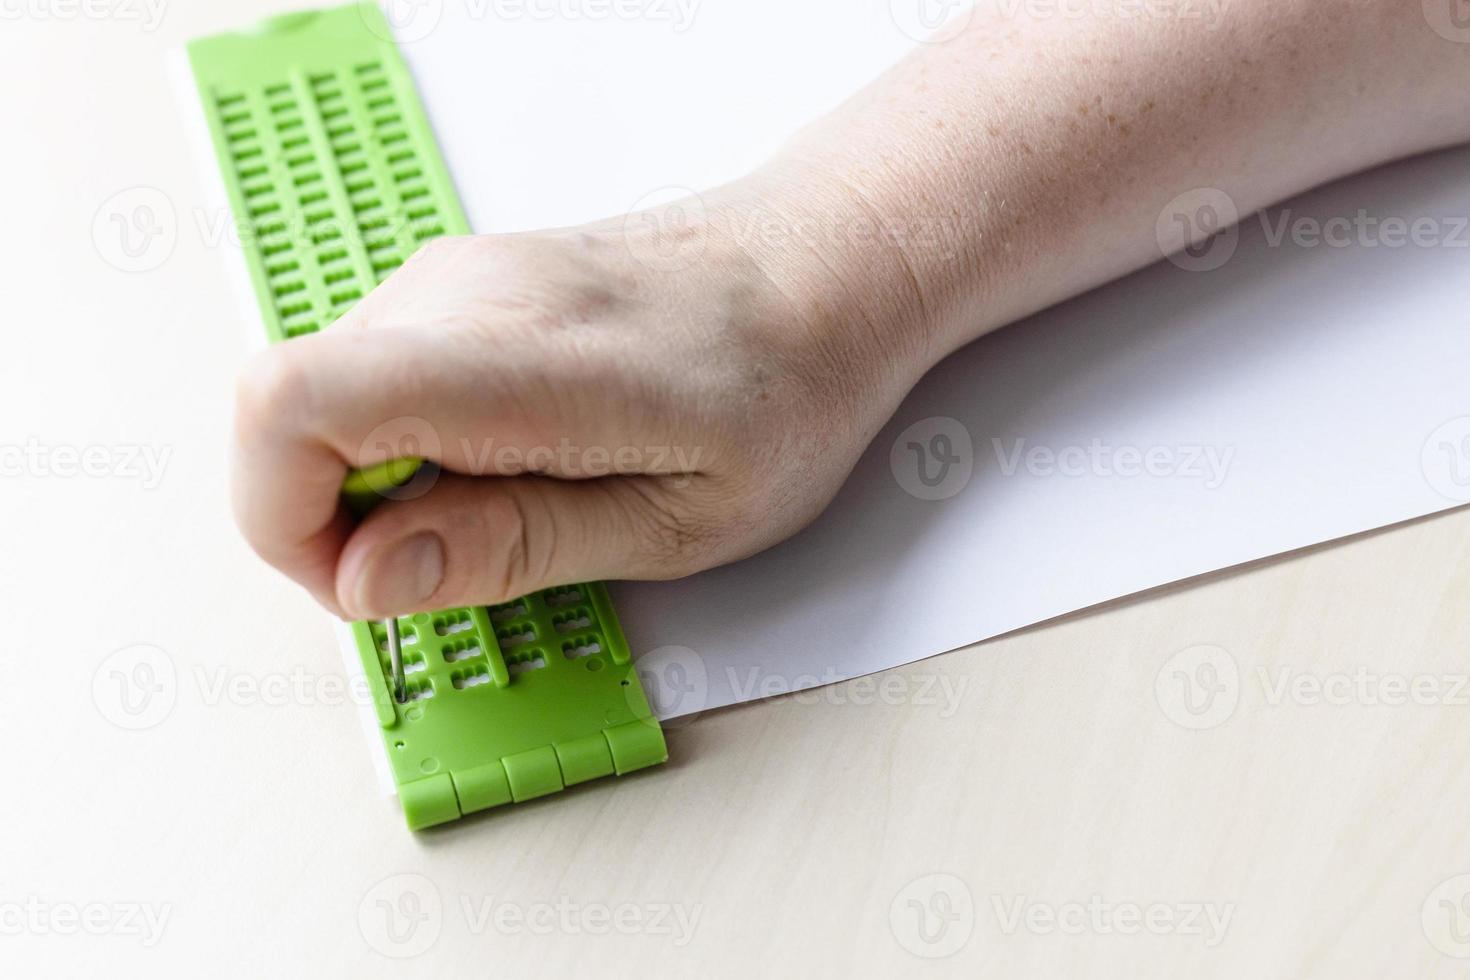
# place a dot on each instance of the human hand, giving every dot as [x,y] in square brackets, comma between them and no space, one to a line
[599,407]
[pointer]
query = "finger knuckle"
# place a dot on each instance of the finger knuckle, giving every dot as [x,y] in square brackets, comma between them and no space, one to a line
[274,387]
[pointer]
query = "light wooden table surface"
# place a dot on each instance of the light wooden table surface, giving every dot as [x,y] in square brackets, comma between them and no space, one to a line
[1257,774]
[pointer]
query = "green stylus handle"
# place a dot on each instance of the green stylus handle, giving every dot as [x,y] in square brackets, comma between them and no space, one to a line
[364,489]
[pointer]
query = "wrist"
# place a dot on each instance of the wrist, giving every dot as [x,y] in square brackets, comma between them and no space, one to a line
[840,267]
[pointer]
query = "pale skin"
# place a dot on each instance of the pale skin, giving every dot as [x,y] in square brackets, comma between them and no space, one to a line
[715,402]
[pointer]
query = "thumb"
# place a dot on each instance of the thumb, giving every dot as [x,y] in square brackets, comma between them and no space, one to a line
[486,540]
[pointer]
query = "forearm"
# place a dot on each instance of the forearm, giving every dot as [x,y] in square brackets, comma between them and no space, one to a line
[738,366]
[1025,161]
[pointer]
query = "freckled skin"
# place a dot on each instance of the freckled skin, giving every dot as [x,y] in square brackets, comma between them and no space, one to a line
[983,178]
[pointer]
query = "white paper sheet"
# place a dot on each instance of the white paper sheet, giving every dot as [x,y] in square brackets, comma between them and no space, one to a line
[1297,394]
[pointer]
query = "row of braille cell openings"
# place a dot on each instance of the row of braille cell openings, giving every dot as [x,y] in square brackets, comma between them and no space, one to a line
[518,641]
[354,162]
[456,647]
[472,669]
[390,131]
[287,217]
[556,598]
[391,203]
